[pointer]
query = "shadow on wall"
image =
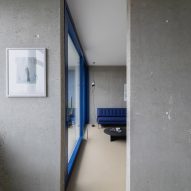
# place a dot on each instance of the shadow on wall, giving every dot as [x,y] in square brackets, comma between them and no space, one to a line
[5,184]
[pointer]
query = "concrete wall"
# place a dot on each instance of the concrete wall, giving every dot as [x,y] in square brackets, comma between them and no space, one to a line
[109,89]
[30,127]
[160,130]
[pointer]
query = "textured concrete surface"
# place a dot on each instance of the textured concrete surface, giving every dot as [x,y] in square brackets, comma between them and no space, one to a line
[160,95]
[109,88]
[30,127]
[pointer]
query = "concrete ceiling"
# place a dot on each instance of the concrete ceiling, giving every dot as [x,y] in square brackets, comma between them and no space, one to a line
[101,26]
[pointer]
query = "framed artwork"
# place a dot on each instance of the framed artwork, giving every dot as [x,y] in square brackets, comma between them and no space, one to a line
[26,72]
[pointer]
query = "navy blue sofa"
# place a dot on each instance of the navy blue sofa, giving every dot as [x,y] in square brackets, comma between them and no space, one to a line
[111,116]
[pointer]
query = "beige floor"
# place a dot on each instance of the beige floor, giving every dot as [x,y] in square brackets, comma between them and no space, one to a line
[101,164]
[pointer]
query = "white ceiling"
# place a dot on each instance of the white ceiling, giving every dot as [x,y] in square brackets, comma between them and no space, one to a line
[101,26]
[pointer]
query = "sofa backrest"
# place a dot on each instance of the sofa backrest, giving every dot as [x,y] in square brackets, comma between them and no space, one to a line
[111,112]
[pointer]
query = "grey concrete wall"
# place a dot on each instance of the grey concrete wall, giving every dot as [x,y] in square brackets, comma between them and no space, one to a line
[160,124]
[30,142]
[109,89]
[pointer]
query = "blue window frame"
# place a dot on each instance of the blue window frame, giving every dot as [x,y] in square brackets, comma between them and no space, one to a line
[84,84]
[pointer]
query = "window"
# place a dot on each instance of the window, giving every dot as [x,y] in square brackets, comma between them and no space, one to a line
[73,97]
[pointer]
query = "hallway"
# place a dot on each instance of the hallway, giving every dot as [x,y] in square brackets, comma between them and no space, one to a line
[101,166]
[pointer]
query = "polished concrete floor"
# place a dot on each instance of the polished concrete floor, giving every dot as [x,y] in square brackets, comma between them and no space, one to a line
[100,165]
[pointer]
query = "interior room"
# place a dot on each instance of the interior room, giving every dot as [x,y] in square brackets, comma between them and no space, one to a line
[63,95]
[98,120]
[95,95]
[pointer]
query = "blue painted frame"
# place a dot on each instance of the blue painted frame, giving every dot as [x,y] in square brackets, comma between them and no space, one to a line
[84,83]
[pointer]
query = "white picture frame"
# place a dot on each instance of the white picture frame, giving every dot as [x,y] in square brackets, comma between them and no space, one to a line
[26,72]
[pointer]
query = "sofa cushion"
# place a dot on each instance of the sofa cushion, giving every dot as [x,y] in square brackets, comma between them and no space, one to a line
[111,119]
[111,112]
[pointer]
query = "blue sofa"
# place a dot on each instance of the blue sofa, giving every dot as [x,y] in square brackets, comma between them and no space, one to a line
[111,116]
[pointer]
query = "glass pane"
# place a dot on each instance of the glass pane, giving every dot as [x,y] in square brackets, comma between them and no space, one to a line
[73,97]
